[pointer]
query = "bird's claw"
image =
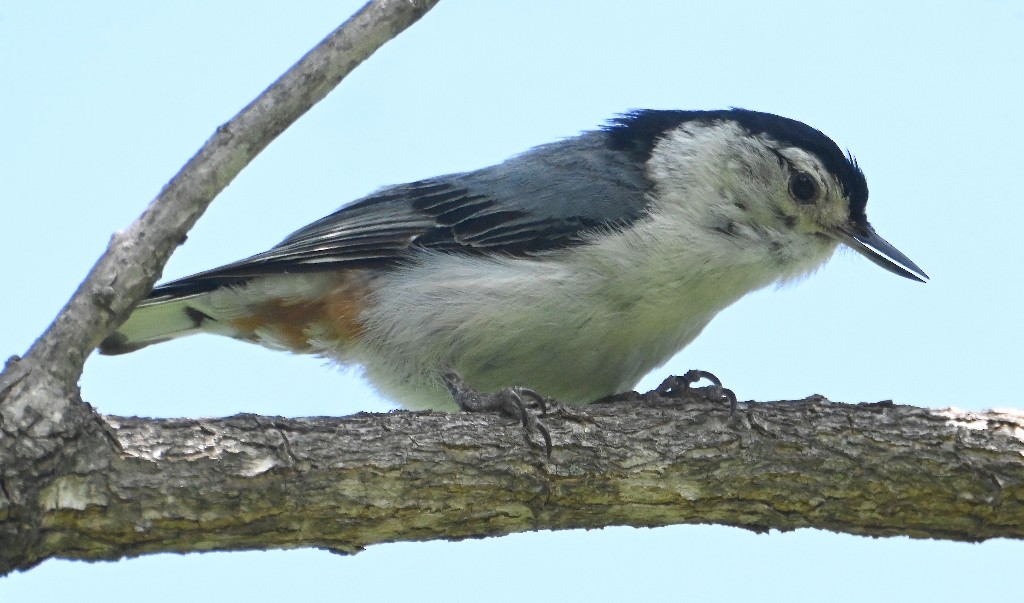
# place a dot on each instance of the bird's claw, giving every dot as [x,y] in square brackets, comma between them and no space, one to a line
[675,384]
[508,401]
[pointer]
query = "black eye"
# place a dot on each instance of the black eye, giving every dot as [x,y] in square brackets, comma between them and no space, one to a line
[803,188]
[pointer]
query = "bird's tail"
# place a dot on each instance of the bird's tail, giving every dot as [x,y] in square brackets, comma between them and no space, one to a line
[153,321]
[278,312]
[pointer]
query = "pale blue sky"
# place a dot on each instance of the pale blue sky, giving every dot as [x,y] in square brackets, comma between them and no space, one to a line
[103,101]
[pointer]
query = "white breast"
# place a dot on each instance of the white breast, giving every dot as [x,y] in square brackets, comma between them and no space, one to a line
[576,324]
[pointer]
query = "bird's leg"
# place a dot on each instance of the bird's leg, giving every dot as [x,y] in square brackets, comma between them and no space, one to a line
[508,401]
[675,384]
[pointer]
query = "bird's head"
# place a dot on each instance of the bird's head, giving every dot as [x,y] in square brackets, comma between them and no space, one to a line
[761,172]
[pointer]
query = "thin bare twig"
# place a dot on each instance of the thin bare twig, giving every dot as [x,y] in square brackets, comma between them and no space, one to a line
[48,435]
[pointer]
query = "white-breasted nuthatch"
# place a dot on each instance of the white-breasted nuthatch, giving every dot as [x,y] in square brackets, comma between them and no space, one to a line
[572,269]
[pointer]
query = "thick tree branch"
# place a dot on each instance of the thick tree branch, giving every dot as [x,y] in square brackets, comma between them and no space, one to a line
[250,482]
[75,484]
[46,432]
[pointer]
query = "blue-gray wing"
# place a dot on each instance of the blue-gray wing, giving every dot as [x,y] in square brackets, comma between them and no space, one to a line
[544,199]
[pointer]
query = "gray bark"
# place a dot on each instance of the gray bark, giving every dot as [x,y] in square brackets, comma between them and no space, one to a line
[76,484]
[252,482]
[46,432]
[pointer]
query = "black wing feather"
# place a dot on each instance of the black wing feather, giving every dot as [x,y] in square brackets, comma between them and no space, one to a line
[528,204]
[546,198]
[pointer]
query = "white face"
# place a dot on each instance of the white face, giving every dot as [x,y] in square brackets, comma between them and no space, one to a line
[812,194]
[767,184]
[764,197]
[748,197]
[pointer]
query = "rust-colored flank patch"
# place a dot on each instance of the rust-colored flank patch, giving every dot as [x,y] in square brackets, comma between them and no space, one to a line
[332,317]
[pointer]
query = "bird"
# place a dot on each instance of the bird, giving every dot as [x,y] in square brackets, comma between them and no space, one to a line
[572,269]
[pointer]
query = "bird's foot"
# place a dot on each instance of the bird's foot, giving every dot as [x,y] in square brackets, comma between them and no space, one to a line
[508,402]
[675,385]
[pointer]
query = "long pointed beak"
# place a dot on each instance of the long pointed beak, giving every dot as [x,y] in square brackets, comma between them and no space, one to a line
[864,240]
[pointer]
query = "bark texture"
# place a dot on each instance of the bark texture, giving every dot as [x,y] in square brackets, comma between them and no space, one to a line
[251,482]
[47,434]
[76,484]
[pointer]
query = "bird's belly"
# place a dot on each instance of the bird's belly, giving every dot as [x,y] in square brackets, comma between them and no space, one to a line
[516,322]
